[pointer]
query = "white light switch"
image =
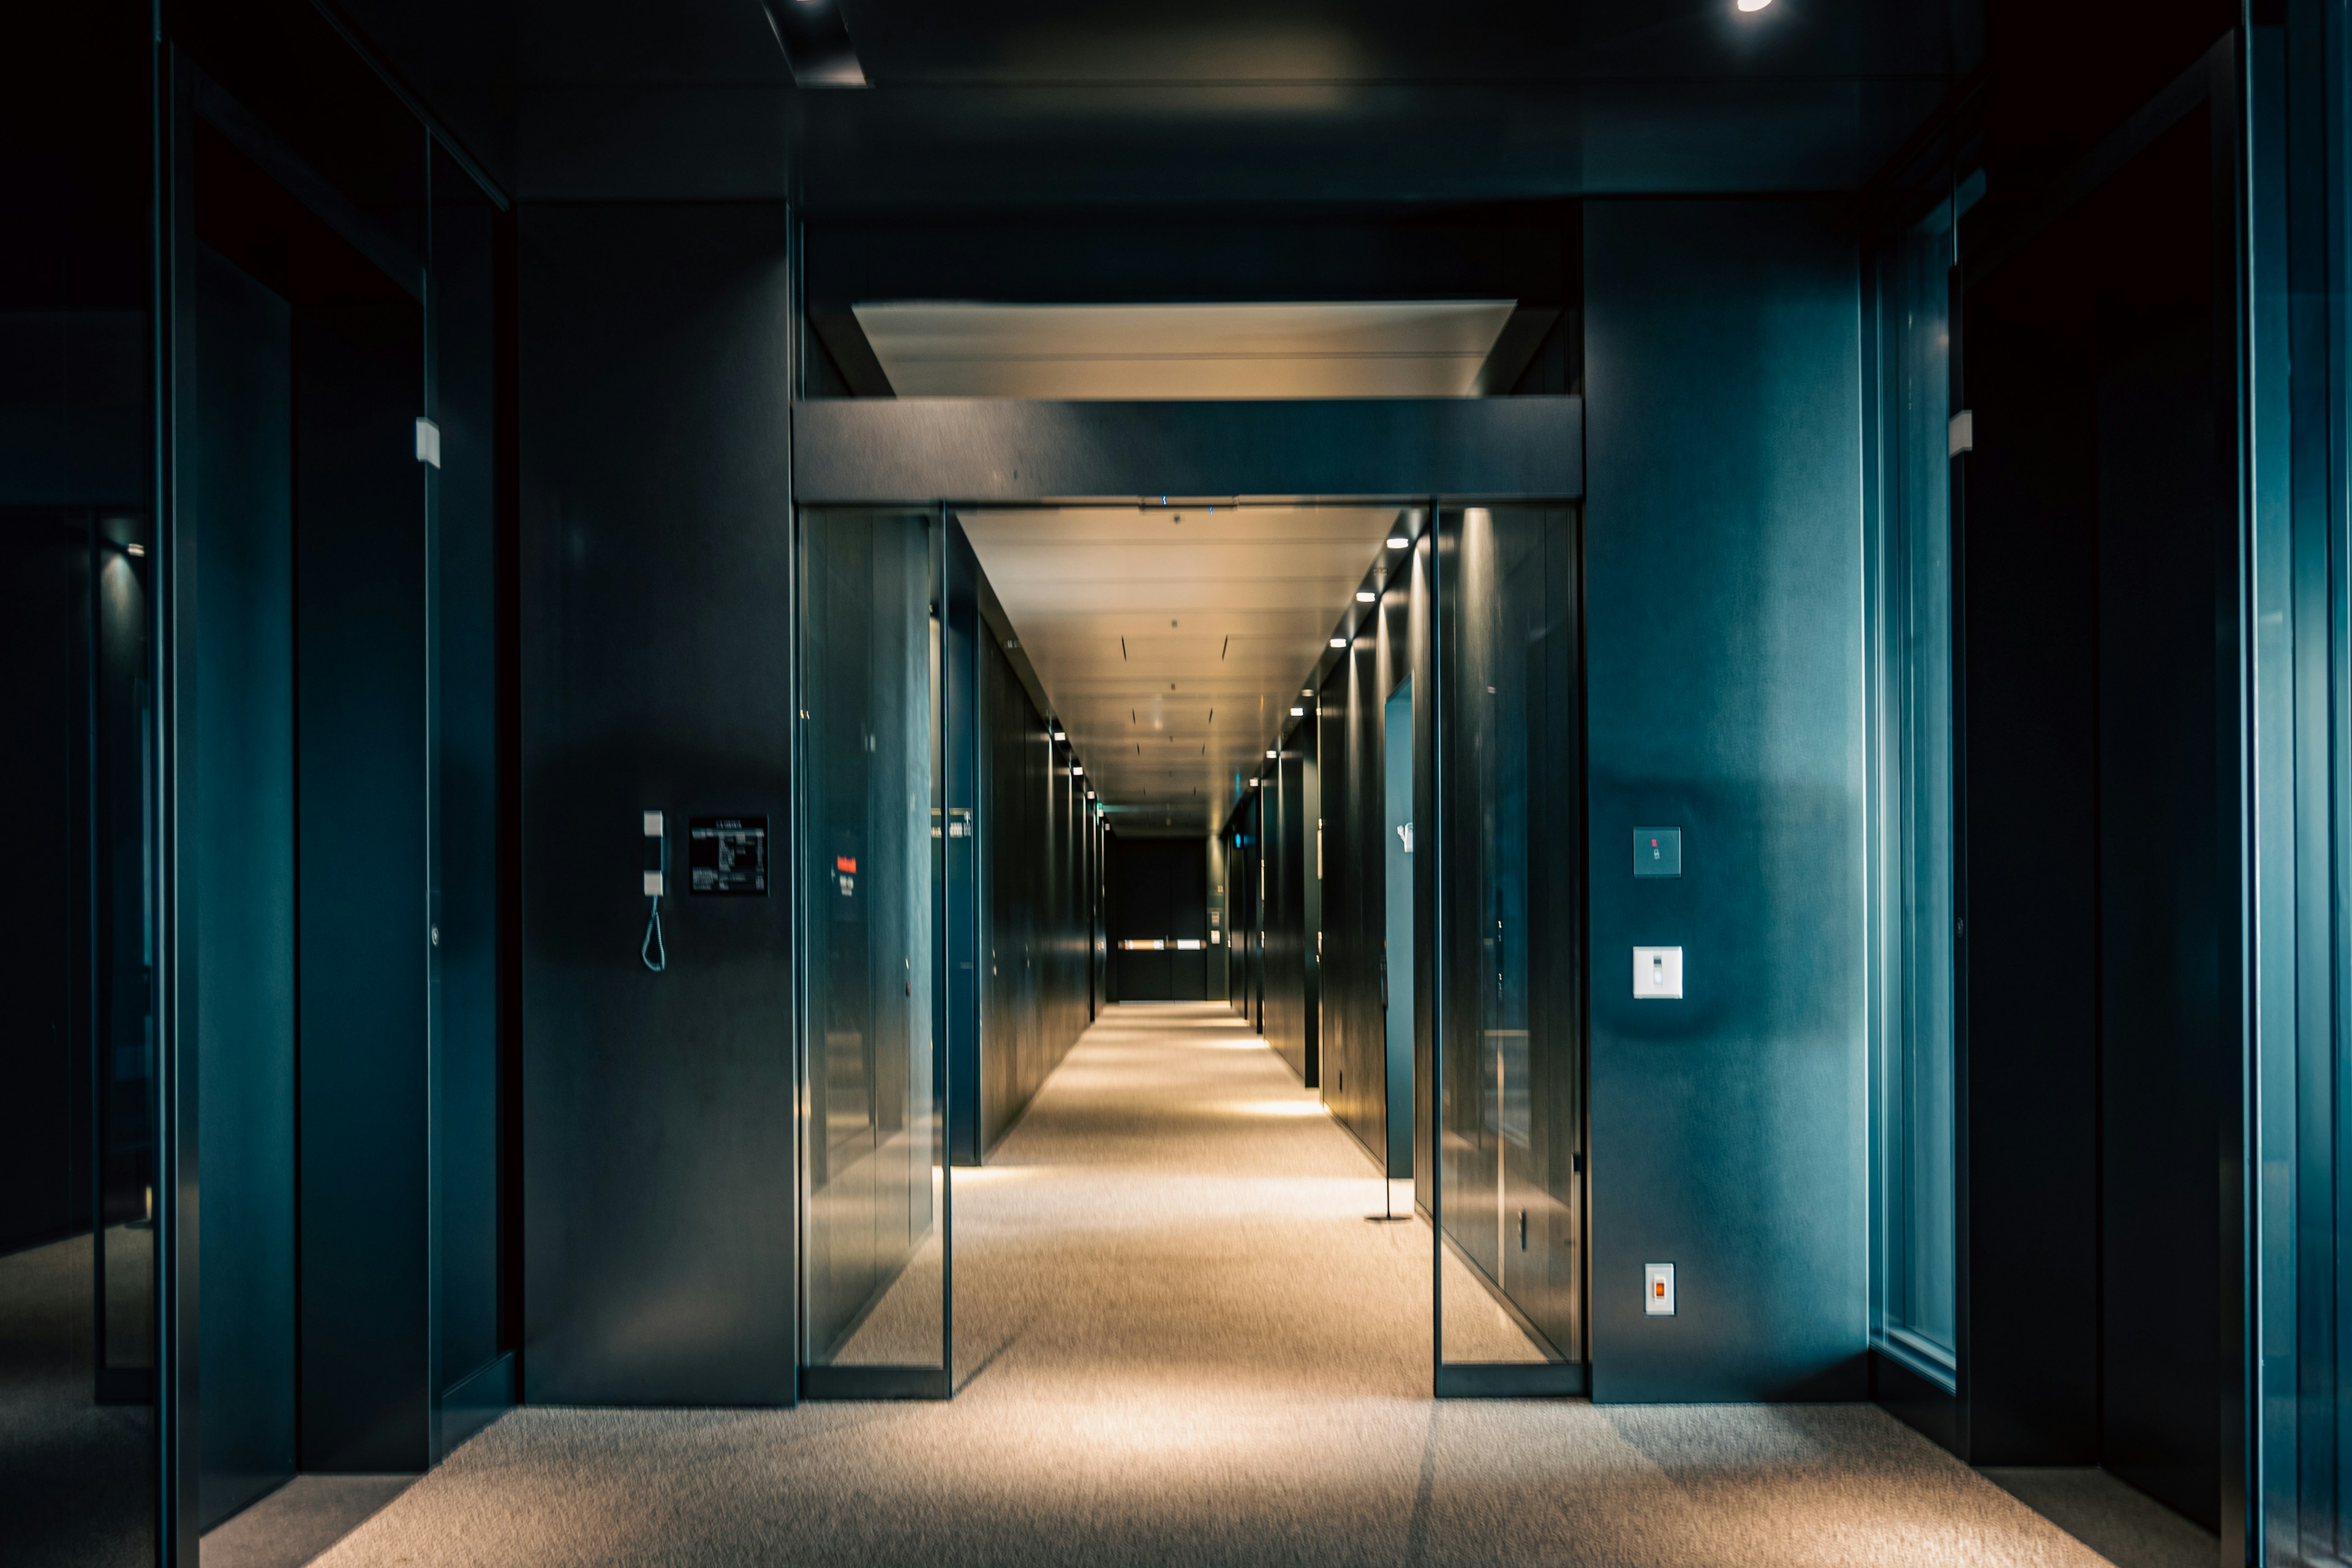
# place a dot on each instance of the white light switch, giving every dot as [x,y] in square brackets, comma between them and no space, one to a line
[1657,973]
[1658,1289]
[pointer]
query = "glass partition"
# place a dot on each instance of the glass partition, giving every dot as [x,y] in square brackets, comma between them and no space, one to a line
[877,1257]
[1913,1131]
[1507,1006]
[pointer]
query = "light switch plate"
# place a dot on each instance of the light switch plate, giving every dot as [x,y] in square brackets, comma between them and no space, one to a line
[1657,973]
[1658,1289]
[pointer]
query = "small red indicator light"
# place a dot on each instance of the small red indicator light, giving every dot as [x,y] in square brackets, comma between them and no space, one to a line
[843,863]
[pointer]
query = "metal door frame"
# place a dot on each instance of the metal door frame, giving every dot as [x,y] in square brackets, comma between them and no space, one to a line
[937,454]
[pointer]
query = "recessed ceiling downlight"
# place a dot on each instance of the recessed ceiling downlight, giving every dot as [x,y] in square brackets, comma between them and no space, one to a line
[1752,5]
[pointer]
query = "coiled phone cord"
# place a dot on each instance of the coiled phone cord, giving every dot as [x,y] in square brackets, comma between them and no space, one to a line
[656,955]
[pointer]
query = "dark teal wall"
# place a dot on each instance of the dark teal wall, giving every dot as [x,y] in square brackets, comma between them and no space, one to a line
[360,638]
[238,506]
[1723,655]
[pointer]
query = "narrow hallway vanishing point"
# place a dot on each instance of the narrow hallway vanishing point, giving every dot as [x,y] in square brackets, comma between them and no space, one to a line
[1180,1341]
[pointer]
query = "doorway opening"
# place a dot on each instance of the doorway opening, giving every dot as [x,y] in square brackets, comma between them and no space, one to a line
[1130,873]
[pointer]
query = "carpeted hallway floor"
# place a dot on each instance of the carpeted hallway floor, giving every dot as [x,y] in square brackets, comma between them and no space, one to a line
[1180,1343]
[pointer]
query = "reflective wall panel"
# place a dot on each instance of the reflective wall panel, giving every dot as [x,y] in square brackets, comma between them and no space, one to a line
[876,1134]
[78,1177]
[1031,958]
[1509,1108]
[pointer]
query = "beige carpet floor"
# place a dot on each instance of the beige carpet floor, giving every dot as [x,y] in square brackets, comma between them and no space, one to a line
[1179,1341]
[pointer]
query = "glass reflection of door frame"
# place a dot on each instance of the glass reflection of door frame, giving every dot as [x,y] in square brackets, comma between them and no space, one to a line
[1469,1380]
[118,540]
[829,1381]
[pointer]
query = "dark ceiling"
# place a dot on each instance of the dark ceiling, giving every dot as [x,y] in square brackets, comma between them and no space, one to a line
[1284,101]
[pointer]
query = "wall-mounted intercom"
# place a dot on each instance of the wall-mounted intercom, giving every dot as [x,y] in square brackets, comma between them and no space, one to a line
[656,882]
[727,856]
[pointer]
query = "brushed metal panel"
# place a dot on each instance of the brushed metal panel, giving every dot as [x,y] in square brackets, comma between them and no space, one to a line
[658,1110]
[867,449]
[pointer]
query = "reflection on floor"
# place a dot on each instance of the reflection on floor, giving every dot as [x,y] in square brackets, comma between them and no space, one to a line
[1179,1341]
[74,1474]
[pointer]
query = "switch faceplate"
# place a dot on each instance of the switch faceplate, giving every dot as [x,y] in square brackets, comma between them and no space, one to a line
[1658,1289]
[1657,852]
[1657,973]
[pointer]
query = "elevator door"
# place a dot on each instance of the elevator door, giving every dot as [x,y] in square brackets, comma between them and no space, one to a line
[872,889]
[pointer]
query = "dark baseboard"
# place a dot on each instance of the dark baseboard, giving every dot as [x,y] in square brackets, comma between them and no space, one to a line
[1924,1406]
[874,1383]
[474,1401]
[1513,1380]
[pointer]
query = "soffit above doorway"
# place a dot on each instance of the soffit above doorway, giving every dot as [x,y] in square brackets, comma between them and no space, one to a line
[1421,348]
[1172,652]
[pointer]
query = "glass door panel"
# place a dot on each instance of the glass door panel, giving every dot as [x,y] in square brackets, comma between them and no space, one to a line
[1507,1045]
[877,1261]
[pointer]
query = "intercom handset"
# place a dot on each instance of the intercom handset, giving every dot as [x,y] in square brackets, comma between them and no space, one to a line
[656,882]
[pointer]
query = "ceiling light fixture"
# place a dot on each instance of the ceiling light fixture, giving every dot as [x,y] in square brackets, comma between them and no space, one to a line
[1338,642]
[1059,736]
[1752,5]
[1274,754]
[1399,541]
[816,41]
[1365,595]
[1299,712]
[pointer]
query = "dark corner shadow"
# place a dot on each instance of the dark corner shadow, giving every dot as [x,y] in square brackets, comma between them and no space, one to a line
[2114,1519]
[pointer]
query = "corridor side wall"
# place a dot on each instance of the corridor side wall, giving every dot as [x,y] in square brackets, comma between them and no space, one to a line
[1287,803]
[1034,947]
[1351,743]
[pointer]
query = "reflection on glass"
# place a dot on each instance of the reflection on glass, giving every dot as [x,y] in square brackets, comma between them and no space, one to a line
[1507,1089]
[122,923]
[877,1134]
[76,1231]
[1917,1295]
